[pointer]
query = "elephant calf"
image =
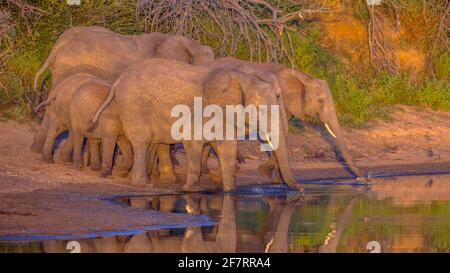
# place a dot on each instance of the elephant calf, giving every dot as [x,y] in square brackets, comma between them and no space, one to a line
[59,114]
[77,99]
[85,102]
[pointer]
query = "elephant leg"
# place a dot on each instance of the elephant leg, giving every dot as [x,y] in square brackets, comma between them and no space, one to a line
[77,139]
[267,168]
[67,149]
[193,150]
[152,161]
[87,155]
[139,174]
[227,152]
[205,156]
[127,156]
[47,149]
[40,135]
[215,174]
[174,159]
[94,152]
[108,147]
[166,173]
[240,157]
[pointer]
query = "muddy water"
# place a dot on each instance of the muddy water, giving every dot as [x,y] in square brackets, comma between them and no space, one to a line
[402,214]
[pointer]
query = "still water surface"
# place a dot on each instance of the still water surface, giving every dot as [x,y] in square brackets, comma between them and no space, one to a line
[402,214]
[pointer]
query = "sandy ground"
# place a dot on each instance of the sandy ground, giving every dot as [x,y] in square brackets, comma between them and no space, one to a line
[40,198]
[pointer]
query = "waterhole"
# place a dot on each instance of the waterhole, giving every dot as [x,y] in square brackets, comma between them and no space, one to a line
[402,214]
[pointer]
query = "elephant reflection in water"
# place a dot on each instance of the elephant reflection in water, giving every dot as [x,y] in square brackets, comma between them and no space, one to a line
[223,237]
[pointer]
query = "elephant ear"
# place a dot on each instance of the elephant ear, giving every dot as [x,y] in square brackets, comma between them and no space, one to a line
[222,88]
[294,91]
[271,79]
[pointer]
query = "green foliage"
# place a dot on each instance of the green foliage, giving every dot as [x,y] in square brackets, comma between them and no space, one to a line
[13,99]
[30,50]
[359,93]
[442,66]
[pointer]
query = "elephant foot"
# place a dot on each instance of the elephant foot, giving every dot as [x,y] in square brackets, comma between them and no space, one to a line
[47,158]
[142,182]
[167,178]
[193,187]
[277,177]
[96,167]
[121,173]
[66,157]
[77,166]
[266,169]
[105,173]
[228,188]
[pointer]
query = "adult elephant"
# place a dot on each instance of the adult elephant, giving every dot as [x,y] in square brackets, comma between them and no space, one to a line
[105,54]
[303,96]
[147,92]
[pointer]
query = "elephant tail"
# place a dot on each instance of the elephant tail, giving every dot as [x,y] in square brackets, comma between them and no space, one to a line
[49,99]
[44,67]
[105,104]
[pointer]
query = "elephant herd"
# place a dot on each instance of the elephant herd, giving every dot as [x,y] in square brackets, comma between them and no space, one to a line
[114,89]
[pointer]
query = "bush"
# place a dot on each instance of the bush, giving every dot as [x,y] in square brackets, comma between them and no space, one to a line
[360,93]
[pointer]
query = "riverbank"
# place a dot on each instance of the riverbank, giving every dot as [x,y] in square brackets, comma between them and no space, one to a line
[37,197]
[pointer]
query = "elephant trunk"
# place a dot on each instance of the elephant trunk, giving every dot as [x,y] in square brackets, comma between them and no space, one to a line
[332,125]
[281,156]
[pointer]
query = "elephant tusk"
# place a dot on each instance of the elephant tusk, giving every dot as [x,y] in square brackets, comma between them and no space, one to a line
[329,130]
[268,245]
[269,142]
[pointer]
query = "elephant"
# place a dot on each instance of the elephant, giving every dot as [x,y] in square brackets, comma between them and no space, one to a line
[105,54]
[59,113]
[304,96]
[146,93]
[72,110]
[87,98]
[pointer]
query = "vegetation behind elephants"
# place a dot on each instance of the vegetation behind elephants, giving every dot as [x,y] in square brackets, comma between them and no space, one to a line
[403,59]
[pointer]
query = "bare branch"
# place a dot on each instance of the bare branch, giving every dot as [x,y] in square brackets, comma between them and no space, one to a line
[255,26]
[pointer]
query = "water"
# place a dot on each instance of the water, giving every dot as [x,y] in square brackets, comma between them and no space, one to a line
[403,214]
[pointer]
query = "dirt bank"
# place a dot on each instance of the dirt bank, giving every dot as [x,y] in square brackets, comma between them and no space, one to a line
[37,197]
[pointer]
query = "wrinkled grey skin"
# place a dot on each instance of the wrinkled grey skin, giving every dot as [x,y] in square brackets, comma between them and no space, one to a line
[303,96]
[106,54]
[85,102]
[147,92]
